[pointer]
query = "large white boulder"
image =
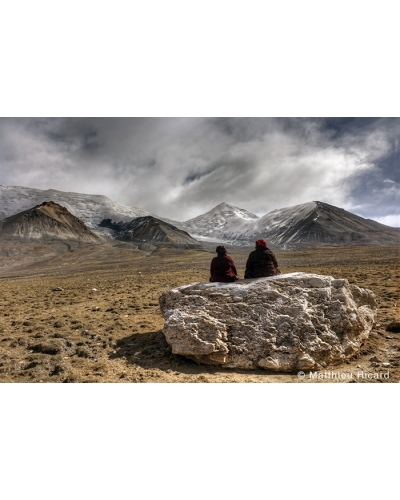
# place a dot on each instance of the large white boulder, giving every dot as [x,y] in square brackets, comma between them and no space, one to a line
[290,322]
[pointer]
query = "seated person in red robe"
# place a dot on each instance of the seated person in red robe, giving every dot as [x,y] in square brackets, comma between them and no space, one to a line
[261,262]
[222,267]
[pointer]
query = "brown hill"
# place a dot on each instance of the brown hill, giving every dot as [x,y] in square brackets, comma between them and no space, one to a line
[46,222]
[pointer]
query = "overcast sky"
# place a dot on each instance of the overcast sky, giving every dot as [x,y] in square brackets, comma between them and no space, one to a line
[182,167]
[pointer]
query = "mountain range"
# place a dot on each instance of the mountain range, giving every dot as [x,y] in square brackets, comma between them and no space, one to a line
[90,208]
[308,225]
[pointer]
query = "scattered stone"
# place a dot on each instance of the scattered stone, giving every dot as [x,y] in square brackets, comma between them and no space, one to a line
[60,335]
[290,322]
[83,352]
[375,360]
[393,326]
[55,346]
[58,289]
[385,365]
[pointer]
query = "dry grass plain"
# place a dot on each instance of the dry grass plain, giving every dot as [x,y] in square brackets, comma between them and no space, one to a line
[91,314]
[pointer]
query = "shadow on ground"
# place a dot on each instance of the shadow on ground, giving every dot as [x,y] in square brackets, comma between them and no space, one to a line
[151,350]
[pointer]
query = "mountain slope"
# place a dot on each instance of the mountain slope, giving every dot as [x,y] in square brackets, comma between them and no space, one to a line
[216,222]
[315,224]
[151,231]
[308,225]
[91,209]
[46,221]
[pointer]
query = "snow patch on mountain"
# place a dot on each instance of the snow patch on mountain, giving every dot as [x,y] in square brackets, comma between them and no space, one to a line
[213,224]
[288,216]
[307,225]
[273,223]
[311,224]
[91,209]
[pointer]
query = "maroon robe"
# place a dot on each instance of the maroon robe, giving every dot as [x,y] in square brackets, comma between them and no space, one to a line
[261,262]
[223,269]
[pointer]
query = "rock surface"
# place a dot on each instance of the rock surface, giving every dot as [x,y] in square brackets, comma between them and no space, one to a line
[290,322]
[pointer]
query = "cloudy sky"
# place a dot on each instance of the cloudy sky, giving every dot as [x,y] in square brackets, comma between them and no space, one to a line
[182,167]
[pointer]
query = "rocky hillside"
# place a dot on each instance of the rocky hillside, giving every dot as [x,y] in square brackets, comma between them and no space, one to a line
[312,224]
[222,219]
[46,221]
[309,225]
[148,230]
[91,209]
[315,224]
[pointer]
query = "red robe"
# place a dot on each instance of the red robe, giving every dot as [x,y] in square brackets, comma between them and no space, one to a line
[261,262]
[223,269]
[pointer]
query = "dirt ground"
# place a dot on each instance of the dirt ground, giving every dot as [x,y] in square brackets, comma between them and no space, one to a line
[91,314]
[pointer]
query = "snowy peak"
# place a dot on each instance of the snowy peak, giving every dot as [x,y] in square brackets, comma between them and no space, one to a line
[214,223]
[311,224]
[288,216]
[225,211]
[316,224]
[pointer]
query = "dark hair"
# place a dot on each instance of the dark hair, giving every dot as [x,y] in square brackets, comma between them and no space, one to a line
[221,250]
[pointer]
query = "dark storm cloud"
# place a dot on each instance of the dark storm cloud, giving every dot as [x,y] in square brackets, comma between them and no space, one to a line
[245,129]
[230,166]
[343,126]
[377,195]
[76,131]
[181,167]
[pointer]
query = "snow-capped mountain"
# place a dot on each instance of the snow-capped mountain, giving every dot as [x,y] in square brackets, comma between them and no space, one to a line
[91,209]
[313,224]
[222,219]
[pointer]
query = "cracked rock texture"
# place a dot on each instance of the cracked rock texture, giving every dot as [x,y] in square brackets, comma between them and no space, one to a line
[290,322]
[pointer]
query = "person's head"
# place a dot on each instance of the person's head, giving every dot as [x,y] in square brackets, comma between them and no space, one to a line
[221,250]
[261,244]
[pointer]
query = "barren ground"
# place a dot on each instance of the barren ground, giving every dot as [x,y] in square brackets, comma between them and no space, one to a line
[103,324]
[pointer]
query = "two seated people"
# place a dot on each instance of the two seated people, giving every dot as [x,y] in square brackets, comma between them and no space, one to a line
[261,263]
